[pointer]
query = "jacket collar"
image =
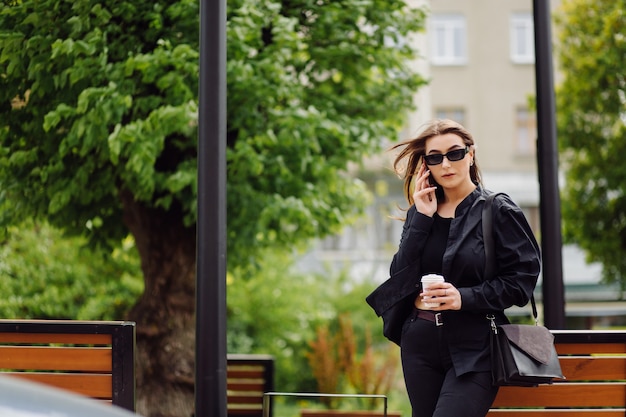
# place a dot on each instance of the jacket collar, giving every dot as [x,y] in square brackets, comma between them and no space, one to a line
[469,201]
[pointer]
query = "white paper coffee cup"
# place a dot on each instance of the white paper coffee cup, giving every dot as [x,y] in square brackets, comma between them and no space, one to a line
[427,281]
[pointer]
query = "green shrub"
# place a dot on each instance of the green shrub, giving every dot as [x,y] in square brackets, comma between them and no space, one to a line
[276,309]
[45,275]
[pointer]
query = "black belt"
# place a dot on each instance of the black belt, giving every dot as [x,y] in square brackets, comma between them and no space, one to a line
[430,316]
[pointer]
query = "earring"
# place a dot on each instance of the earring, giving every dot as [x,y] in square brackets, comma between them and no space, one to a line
[471,162]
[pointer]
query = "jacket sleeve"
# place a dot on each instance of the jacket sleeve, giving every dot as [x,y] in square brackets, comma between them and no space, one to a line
[518,261]
[414,234]
[405,267]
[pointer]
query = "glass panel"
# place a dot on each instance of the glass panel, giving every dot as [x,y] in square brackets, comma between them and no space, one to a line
[522,38]
[448,39]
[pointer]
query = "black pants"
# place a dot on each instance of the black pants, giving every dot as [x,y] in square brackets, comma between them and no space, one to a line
[433,387]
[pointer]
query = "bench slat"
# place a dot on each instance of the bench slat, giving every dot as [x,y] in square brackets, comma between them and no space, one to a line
[52,358]
[599,368]
[245,373]
[563,395]
[240,385]
[589,348]
[238,411]
[239,398]
[91,385]
[67,338]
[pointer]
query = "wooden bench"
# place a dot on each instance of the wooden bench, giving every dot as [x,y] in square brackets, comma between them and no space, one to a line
[594,364]
[92,358]
[248,377]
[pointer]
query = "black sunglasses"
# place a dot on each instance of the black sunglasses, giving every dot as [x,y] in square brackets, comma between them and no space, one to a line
[455,155]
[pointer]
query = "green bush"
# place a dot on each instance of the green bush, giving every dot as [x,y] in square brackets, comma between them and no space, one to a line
[277,310]
[45,275]
[274,310]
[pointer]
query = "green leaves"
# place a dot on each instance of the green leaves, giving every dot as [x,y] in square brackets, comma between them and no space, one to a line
[109,95]
[105,90]
[325,83]
[592,135]
[45,275]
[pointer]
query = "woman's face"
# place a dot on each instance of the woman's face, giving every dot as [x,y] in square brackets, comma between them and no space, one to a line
[449,174]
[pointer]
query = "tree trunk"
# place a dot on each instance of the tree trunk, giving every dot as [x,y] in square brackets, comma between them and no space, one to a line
[165,312]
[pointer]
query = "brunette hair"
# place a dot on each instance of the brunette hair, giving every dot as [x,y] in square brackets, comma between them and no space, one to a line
[413,150]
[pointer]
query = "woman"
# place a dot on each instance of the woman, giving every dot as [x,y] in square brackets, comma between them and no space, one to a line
[445,348]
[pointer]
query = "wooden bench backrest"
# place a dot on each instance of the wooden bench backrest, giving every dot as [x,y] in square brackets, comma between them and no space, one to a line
[248,378]
[594,364]
[92,358]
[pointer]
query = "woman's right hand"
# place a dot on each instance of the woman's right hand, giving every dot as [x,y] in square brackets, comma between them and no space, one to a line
[424,194]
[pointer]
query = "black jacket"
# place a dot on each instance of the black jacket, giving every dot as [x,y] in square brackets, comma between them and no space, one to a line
[518,265]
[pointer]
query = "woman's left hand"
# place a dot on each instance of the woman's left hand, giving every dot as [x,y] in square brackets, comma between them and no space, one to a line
[444,293]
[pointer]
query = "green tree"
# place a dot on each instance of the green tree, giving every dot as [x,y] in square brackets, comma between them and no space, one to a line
[98,127]
[591,128]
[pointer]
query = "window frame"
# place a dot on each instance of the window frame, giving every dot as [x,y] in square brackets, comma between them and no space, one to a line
[452,113]
[522,22]
[453,27]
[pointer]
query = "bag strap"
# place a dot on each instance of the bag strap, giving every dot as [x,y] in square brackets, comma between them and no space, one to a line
[490,259]
[490,266]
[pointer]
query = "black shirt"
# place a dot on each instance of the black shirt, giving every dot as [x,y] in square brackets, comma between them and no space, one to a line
[436,245]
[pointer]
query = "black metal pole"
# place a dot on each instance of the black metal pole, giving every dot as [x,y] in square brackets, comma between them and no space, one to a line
[210,366]
[547,157]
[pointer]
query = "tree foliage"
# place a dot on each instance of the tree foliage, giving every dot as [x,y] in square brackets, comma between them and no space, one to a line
[96,98]
[591,118]
[323,82]
[101,97]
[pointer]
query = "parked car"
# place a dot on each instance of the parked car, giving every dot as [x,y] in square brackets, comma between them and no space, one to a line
[21,398]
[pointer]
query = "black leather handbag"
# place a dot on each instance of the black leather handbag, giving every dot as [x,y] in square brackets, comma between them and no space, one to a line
[521,354]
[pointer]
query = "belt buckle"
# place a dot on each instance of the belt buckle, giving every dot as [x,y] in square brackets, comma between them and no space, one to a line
[438,321]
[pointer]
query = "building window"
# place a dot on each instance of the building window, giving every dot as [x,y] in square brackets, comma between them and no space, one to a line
[456,114]
[522,38]
[449,39]
[525,131]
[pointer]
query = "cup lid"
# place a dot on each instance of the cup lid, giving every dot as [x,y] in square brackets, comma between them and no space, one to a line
[433,277]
